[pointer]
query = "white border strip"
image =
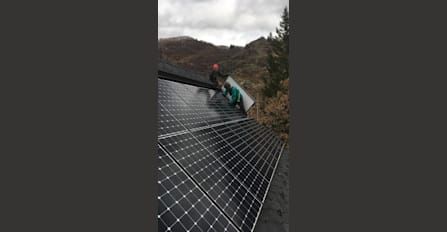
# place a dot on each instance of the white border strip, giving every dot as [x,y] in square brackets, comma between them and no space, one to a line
[172,134]
[164,136]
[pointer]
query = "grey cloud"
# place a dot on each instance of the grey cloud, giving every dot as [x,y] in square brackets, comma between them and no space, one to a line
[219,22]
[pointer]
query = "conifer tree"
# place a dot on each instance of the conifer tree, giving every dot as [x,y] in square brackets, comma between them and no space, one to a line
[276,111]
[278,58]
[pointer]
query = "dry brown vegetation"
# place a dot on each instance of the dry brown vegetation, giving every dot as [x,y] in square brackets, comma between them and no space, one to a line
[276,112]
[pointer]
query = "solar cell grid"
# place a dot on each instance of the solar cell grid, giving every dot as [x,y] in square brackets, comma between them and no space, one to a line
[192,93]
[224,112]
[182,205]
[258,164]
[263,149]
[256,149]
[268,159]
[209,113]
[166,123]
[169,98]
[183,113]
[191,119]
[263,164]
[192,111]
[229,135]
[247,136]
[250,140]
[233,161]
[250,132]
[204,95]
[215,164]
[256,135]
[243,126]
[274,156]
[172,85]
[227,191]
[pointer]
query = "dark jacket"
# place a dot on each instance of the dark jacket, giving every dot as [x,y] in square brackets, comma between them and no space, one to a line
[216,74]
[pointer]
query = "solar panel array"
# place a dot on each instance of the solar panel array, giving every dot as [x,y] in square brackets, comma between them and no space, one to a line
[215,165]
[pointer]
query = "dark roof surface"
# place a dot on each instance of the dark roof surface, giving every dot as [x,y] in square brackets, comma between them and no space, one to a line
[176,73]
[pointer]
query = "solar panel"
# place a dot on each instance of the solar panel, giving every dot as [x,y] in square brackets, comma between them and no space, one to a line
[215,178]
[237,164]
[167,124]
[195,106]
[182,205]
[212,150]
[256,139]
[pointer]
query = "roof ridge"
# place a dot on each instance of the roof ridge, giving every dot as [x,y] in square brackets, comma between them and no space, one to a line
[176,73]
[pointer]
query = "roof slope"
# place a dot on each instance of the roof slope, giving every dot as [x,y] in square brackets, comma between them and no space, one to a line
[215,165]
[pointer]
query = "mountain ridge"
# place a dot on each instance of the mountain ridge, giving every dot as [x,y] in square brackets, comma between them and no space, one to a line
[247,65]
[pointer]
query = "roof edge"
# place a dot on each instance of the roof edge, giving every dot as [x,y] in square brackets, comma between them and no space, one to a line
[181,79]
[175,73]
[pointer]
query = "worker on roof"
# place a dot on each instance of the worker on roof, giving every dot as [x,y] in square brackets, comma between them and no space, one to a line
[214,76]
[236,96]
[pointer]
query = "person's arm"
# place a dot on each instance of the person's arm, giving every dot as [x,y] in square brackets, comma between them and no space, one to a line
[225,92]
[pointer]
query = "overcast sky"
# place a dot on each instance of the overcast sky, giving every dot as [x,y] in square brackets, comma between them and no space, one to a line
[221,22]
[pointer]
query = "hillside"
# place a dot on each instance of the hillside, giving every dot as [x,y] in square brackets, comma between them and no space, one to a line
[247,65]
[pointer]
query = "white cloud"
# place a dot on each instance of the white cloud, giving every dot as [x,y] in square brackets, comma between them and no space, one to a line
[219,22]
